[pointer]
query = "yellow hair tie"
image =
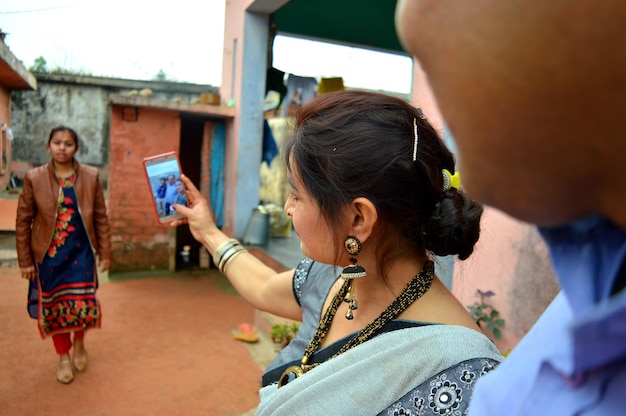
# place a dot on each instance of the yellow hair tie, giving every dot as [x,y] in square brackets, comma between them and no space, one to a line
[450,180]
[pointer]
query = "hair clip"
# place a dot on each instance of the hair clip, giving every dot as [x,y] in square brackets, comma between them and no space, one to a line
[421,116]
[416,141]
[450,180]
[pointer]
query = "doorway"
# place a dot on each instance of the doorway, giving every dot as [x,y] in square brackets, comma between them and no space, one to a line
[191,138]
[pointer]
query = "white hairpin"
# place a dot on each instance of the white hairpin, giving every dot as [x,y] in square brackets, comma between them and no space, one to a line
[416,139]
[421,116]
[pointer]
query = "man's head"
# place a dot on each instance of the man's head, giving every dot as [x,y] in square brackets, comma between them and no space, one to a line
[533,93]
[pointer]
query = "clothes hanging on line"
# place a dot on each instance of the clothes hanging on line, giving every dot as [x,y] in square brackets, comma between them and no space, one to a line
[270,149]
[330,84]
[275,81]
[304,86]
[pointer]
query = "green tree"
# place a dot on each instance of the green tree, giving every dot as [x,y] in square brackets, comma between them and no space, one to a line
[160,76]
[40,65]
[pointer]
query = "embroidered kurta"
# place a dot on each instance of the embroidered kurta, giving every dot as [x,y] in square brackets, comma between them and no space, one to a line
[63,297]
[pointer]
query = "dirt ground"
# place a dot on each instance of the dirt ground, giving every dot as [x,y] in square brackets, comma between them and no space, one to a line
[165,348]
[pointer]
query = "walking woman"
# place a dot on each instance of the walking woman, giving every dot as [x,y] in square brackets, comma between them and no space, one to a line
[61,227]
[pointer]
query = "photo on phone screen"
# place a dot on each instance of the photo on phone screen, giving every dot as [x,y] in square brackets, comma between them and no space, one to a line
[166,187]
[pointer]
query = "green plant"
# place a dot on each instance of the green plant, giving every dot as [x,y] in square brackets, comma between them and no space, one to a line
[39,65]
[485,315]
[282,334]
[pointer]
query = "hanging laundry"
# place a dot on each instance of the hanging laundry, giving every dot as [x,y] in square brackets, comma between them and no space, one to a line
[275,81]
[270,149]
[330,85]
[304,86]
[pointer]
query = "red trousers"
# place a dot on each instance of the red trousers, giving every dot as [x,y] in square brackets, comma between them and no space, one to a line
[63,342]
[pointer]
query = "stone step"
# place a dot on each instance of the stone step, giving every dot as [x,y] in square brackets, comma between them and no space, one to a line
[8,258]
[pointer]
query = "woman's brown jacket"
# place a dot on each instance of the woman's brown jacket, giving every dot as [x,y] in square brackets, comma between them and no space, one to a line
[37,212]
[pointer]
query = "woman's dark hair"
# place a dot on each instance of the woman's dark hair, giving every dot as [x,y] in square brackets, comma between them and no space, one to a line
[351,144]
[71,131]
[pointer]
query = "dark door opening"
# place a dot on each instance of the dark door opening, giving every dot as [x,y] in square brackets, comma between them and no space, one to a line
[191,137]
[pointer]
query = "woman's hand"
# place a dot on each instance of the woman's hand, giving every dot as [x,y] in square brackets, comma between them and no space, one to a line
[28,273]
[198,214]
[103,265]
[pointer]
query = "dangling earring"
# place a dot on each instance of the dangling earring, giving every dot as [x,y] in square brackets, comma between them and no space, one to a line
[352,271]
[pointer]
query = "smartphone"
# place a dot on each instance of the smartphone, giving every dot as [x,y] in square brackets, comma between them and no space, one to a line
[166,188]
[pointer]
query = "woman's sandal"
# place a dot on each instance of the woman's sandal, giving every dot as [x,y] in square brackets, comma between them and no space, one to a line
[65,374]
[80,361]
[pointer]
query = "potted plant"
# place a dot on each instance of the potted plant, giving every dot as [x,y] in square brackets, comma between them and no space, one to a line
[485,315]
[283,333]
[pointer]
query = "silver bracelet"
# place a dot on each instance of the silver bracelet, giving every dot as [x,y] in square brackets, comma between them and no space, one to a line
[232,254]
[222,248]
[227,251]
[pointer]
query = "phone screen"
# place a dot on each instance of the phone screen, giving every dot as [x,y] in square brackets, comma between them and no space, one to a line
[166,187]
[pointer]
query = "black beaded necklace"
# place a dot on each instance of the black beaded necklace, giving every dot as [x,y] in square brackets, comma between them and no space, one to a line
[413,291]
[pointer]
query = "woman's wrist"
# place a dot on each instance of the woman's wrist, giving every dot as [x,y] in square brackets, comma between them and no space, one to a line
[211,238]
[226,251]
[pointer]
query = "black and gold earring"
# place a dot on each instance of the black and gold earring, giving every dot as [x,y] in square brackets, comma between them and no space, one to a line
[352,271]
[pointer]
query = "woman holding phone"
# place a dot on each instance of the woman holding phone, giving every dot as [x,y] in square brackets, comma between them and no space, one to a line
[374,194]
[61,227]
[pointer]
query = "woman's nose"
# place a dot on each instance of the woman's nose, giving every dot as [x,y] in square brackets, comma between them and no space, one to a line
[287,207]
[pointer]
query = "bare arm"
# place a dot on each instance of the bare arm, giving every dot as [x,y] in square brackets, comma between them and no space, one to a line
[257,283]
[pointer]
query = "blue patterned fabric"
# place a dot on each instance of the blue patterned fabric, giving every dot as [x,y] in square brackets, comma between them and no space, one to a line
[446,393]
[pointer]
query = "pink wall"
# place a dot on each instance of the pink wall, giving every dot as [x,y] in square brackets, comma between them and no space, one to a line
[510,258]
[512,261]
[230,91]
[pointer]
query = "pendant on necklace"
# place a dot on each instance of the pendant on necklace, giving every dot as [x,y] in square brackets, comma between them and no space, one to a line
[290,374]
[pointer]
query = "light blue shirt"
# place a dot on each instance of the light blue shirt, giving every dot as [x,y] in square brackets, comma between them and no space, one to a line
[573,361]
[170,193]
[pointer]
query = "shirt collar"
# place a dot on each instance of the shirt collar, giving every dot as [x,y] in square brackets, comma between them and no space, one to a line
[587,256]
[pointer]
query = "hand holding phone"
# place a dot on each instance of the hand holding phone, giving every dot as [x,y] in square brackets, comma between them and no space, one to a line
[166,188]
[197,214]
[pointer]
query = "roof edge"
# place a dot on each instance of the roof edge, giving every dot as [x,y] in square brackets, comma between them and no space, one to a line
[25,80]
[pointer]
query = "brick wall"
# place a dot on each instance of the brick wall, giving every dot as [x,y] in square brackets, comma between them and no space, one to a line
[139,241]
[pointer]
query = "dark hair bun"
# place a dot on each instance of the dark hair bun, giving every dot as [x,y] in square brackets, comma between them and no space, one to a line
[454,227]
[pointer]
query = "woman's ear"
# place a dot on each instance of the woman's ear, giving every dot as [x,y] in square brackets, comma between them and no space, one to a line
[364,217]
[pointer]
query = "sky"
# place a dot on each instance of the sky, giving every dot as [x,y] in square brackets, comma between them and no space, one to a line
[184,38]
